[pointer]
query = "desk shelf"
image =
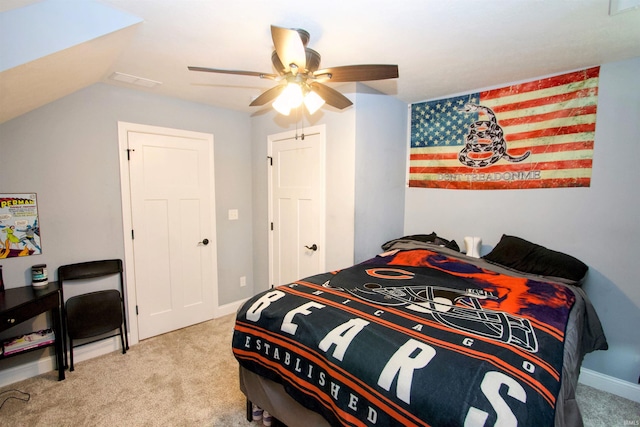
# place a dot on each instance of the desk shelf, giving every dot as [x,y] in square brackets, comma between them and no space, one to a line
[24,343]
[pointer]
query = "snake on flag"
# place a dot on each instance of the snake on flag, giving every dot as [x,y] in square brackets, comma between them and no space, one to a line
[485,130]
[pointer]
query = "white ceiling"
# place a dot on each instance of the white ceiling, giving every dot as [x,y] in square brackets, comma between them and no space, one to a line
[441,47]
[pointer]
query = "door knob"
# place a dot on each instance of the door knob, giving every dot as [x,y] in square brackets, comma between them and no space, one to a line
[204,242]
[313,247]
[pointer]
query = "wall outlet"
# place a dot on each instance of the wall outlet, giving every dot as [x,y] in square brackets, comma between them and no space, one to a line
[233,214]
[243,281]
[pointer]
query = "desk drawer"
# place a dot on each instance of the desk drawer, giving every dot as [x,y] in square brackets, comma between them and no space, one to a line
[21,313]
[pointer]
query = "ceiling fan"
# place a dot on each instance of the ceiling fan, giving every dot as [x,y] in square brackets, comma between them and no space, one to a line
[300,79]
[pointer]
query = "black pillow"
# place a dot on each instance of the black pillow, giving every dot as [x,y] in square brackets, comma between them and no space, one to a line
[521,255]
[429,238]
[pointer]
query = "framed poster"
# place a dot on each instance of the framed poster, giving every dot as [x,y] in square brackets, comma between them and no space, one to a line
[19,225]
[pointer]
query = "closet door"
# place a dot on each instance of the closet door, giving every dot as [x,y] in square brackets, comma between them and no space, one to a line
[297,205]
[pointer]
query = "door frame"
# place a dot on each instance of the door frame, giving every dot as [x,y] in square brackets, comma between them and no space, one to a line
[127,220]
[320,130]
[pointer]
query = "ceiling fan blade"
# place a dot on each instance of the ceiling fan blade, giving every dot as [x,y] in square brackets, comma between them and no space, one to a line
[359,73]
[267,95]
[331,96]
[290,47]
[277,64]
[238,72]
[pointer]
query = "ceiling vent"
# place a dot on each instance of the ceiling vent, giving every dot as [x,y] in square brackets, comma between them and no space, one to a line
[134,80]
[619,6]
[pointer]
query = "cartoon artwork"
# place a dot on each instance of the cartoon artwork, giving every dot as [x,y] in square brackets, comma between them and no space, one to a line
[19,226]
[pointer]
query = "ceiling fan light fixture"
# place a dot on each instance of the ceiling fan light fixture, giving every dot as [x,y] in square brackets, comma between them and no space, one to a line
[281,106]
[313,102]
[291,97]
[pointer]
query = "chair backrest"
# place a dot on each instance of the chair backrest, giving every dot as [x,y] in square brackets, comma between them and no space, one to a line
[89,270]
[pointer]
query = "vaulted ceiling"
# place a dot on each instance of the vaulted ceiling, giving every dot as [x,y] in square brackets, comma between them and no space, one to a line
[441,47]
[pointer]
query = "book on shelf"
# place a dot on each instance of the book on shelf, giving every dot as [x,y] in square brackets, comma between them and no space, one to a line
[28,341]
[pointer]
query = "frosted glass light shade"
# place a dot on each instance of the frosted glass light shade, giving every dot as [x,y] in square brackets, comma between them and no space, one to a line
[291,97]
[313,102]
[281,106]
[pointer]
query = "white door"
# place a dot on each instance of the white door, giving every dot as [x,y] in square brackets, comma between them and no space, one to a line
[297,205]
[171,184]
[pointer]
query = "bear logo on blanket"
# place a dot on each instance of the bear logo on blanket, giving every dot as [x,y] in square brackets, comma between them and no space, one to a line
[458,309]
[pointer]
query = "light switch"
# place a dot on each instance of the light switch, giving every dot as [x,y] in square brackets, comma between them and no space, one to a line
[233,214]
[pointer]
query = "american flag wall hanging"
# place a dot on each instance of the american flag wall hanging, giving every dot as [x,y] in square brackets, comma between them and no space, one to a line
[532,135]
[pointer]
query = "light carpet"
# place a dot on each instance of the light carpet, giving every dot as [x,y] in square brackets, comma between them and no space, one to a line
[185,378]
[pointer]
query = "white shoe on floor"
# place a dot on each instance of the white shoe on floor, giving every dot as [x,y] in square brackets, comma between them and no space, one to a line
[267,419]
[256,412]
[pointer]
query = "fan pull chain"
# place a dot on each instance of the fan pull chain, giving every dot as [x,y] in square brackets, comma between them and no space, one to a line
[299,118]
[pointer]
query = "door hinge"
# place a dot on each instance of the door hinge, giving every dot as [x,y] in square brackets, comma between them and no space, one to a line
[270,160]
[136,310]
[129,150]
[271,226]
[132,235]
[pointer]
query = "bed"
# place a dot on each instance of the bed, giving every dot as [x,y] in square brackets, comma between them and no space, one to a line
[423,335]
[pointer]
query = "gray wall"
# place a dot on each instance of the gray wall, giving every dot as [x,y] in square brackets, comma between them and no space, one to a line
[599,225]
[381,156]
[67,152]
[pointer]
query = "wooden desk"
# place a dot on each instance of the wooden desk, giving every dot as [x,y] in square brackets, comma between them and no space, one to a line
[18,305]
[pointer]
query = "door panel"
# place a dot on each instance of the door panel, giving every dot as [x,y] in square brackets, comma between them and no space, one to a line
[309,262]
[153,257]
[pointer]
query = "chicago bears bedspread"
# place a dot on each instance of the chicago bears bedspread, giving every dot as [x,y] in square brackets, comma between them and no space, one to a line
[412,337]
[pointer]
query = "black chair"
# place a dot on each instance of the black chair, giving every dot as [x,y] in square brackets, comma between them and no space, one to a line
[93,314]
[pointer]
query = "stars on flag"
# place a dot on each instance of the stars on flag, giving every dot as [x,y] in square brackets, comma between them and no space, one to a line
[441,122]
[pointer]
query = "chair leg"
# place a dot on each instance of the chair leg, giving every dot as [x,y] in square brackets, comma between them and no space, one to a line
[64,337]
[70,355]
[124,323]
[124,349]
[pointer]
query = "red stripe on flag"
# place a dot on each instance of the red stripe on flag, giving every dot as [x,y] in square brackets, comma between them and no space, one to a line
[569,112]
[563,79]
[441,156]
[541,149]
[511,167]
[438,156]
[555,148]
[547,100]
[503,185]
[564,130]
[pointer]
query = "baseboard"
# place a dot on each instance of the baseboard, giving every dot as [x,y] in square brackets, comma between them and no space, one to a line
[47,364]
[26,370]
[610,384]
[230,308]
